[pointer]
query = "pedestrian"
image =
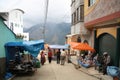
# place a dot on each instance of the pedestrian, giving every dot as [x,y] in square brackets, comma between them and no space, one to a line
[107,61]
[58,56]
[63,57]
[49,55]
[42,54]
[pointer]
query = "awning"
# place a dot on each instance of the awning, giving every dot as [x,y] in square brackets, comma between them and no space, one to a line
[33,47]
[58,46]
[81,46]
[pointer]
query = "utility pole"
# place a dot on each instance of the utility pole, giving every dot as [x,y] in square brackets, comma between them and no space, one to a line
[45,18]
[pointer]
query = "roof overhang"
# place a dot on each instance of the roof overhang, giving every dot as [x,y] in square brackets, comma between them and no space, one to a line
[4,15]
[106,21]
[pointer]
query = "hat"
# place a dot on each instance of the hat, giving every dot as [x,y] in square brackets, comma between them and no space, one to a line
[105,53]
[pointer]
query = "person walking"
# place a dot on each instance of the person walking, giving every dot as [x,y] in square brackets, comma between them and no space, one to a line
[63,57]
[42,57]
[49,55]
[58,56]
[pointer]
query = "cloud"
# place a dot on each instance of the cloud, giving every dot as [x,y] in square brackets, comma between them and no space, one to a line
[58,10]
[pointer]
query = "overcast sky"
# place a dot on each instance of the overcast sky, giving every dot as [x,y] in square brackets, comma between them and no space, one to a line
[58,10]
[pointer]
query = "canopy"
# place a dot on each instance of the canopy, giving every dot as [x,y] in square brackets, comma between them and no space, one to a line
[81,46]
[13,48]
[72,44]
[59,46]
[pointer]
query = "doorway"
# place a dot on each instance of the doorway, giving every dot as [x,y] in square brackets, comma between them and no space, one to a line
[107,43]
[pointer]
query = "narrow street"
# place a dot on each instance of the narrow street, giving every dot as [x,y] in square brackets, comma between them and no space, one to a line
[55,71]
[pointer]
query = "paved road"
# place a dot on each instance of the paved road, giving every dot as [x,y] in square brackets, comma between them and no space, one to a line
[55,71]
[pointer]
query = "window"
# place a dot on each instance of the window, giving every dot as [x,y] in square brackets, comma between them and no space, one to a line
[11,26]
[81,12]
[77,14]
[74,17]
[91,2]
[15,25]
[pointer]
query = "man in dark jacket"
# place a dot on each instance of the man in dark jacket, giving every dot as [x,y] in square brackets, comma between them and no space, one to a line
[58,56]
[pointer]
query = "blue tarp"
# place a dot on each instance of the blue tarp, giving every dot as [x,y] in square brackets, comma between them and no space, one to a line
[13,48]
[113,71]
[83,64]
[58,46]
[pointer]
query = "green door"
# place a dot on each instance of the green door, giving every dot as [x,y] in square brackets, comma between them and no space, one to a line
[119,62]
[107,43]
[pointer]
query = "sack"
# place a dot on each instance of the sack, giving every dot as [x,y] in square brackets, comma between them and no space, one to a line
[113,71]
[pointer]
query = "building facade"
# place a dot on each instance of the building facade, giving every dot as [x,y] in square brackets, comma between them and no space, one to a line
[6,35]
[102,17]
[15,22]
[78,32]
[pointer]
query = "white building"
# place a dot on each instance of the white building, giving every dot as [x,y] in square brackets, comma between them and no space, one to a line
[26,36]
[78,32]
[15,22]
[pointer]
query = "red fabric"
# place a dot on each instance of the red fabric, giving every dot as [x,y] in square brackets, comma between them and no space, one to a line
[49,54]
[42,54]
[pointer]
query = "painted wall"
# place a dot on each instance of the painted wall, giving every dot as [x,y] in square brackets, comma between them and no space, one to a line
[78,28]
[111,30]
[100,9]
[88,9]
[6,35]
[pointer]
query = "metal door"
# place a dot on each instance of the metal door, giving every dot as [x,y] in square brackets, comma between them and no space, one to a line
[107,43]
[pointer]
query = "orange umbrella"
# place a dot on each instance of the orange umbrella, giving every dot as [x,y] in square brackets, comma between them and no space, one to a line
[81,46]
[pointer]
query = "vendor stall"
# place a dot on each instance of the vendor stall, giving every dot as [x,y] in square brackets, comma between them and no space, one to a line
[21,56]
[59,46]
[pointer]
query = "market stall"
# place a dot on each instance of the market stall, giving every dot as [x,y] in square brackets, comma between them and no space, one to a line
[21,56]
[59,46]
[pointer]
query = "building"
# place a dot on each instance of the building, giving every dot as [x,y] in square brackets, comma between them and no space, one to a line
[6,35]
[102,17]
[78,32]
[15,22]
[26,36]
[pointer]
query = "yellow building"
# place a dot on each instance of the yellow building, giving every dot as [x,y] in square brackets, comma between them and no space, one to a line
[102,17]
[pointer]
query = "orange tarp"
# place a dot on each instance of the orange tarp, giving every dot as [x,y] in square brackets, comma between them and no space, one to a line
[81,46]
[72,44]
